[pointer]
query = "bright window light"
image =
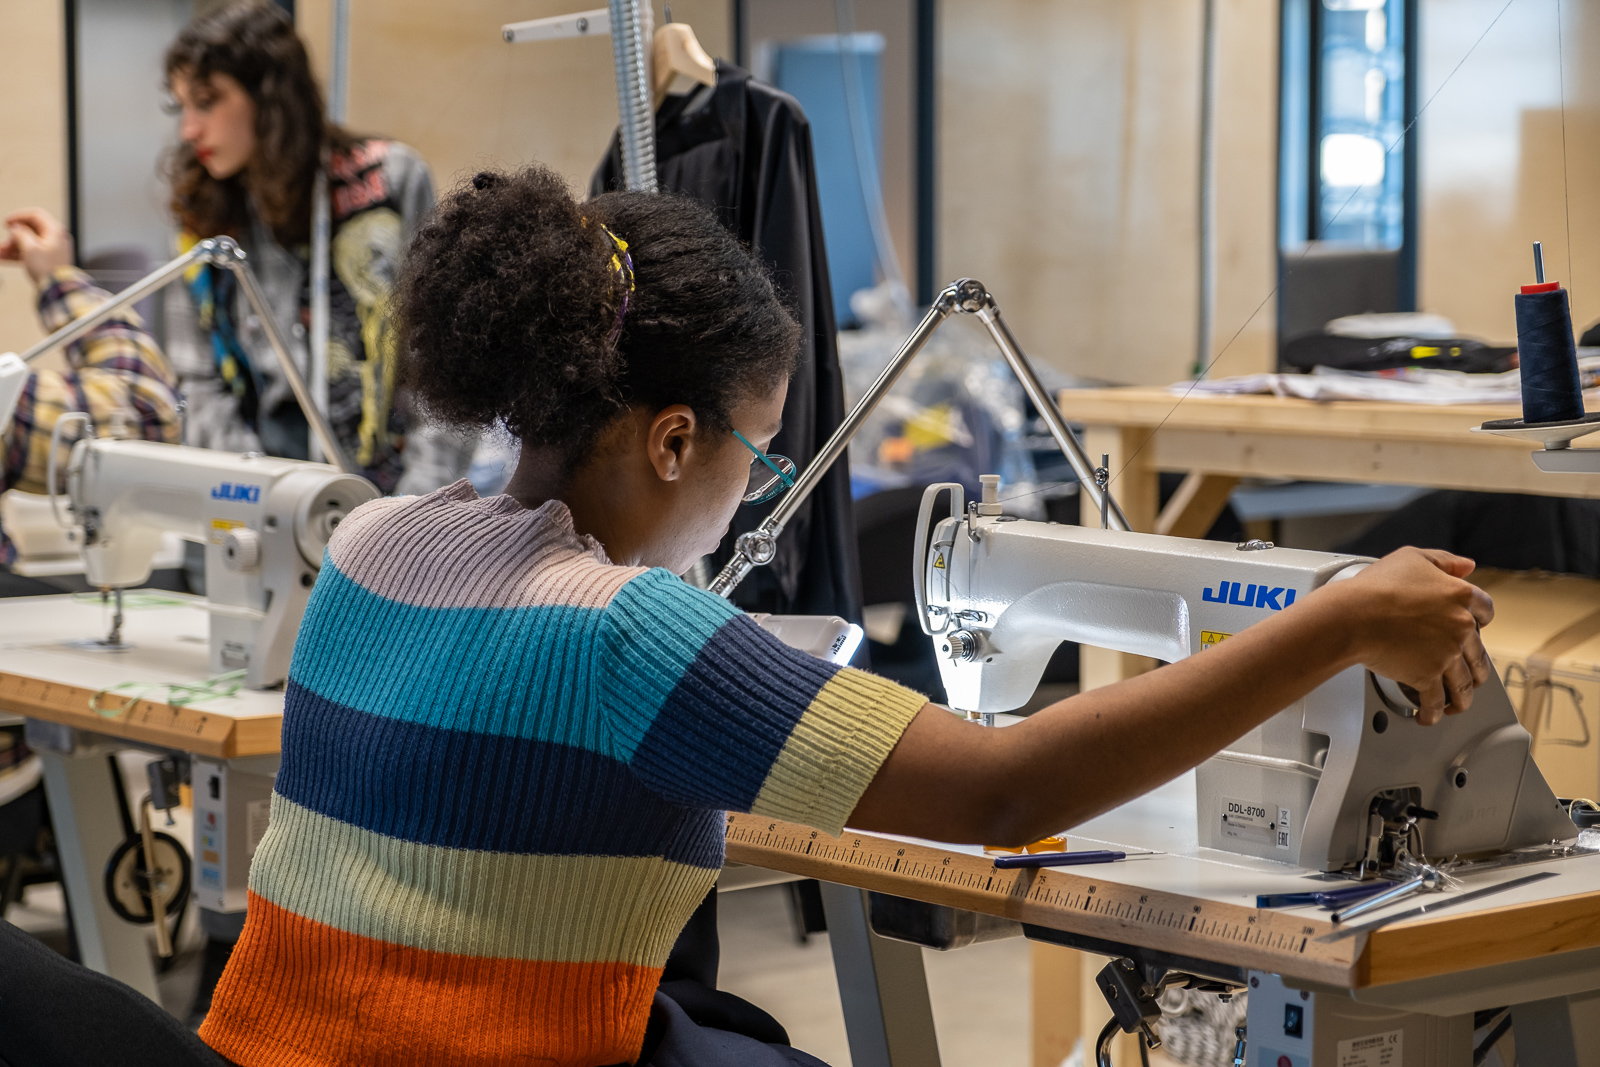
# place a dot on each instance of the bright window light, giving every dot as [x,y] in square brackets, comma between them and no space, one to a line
[1377,82]
[1352,159]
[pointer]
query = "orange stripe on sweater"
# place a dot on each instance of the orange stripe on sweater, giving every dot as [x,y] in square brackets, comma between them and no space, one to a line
[298,993]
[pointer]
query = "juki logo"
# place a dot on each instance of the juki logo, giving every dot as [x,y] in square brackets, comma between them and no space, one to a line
[1254,596]
[246,494]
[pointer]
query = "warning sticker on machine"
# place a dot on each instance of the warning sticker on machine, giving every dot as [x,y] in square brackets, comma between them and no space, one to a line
[1212,637]
[1374,1050]
[220,528]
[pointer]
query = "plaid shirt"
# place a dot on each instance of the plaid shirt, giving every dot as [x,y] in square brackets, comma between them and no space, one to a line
[115,368]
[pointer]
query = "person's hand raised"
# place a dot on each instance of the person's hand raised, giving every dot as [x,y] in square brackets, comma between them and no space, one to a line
[1416,621]
[35,239]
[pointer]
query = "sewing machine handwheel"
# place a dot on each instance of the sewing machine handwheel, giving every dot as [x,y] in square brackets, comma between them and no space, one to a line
[1401,698]
[128,883]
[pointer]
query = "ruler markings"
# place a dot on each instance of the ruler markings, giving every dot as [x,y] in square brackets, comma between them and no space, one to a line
[1222,932]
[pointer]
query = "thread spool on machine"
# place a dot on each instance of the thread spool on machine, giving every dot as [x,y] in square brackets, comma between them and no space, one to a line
[1552,387]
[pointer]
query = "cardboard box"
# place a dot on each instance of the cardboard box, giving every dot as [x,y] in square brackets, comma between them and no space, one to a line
[1545,643]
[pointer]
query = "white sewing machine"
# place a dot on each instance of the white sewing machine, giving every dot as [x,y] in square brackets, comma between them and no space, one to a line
[1332,781]
[264,523]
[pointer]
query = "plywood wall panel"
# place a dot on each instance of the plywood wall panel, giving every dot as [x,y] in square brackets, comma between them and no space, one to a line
[33,146]
[439,77]
[1492,169]
[1069,140]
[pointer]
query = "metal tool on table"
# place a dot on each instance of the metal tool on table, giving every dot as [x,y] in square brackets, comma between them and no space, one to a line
[1428,879]
[1436,905]
[264,521]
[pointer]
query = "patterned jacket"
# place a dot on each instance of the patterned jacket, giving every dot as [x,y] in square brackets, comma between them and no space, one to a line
[116,374]
[238,399]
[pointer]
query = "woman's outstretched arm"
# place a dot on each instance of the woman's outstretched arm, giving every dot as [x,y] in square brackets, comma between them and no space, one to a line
[1410,617]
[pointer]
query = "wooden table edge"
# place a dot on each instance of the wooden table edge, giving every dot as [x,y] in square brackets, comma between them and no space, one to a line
[1145,406]
[147,721]
[1510,933]
[1057,898]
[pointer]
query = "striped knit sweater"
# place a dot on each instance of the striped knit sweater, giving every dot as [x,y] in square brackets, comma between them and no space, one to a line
[505,762]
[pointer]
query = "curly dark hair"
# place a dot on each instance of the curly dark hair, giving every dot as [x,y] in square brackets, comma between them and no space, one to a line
[508,303]
[254,43]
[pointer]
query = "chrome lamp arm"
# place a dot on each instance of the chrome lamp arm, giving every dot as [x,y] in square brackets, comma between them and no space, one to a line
[966,296]
[218,252]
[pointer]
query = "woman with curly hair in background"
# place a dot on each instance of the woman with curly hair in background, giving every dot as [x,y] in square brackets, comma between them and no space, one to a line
[253,142]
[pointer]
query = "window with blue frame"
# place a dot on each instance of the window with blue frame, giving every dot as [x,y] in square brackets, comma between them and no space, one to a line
[1348,167]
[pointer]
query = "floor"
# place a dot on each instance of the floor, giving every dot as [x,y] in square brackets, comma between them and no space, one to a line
[980,994]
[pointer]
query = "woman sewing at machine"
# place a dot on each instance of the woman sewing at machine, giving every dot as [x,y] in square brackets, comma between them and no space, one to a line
[511,731]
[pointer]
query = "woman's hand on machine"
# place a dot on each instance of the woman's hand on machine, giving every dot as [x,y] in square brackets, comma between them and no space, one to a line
[35,239]
[1415,620]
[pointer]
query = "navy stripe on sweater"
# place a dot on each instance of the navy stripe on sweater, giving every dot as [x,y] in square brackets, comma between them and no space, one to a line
[721,728]
[479,791]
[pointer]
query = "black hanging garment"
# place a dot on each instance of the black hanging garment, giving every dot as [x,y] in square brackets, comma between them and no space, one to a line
[743,149]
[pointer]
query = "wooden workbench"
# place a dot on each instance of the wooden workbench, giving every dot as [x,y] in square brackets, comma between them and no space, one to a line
[1220,439]
[51,665]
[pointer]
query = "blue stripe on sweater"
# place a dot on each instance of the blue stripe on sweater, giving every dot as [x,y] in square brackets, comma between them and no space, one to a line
[467,790]
[512,672]
[722,726]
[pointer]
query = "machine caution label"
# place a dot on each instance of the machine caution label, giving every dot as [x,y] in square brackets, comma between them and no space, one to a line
[1212,637]
[220,528]
[1374,1050]
[938,561]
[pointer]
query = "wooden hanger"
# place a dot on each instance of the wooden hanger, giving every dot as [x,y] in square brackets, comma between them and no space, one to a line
[677,61]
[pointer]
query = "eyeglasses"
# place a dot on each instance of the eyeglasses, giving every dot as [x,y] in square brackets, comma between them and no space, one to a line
[769,475]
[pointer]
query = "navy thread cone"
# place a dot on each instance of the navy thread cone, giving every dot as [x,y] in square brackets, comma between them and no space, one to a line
[1548,358]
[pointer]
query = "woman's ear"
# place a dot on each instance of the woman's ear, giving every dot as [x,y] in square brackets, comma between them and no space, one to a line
[669,441]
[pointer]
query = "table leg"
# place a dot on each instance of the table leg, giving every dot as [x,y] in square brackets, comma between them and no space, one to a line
[1559,1032]
[1057,1008]
[83,810]
[882,986]
[1195,506]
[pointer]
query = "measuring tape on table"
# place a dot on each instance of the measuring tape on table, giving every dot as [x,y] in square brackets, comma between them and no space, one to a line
[1191,926]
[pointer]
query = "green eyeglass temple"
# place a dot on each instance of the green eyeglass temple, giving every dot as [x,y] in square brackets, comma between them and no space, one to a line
[784,476]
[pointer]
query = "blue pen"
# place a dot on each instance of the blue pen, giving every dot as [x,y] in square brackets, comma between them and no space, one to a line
[1327,898]
[1064,859]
